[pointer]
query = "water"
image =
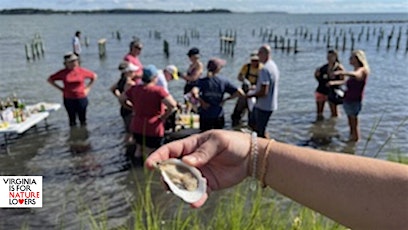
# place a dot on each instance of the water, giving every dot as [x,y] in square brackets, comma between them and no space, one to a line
[89,167]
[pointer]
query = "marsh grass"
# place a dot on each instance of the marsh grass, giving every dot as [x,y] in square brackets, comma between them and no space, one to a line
[233,209]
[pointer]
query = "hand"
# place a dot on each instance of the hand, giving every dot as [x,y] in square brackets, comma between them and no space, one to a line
[338,72]
[86,91]
[222,157]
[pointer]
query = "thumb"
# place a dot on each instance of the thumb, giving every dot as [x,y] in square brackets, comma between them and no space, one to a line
[197,159]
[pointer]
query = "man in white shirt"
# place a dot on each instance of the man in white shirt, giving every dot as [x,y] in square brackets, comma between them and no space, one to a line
[76,43]
[167,74]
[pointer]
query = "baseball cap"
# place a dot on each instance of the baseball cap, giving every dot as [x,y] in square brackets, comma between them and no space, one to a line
[172,69]
[193,51]
[149,72]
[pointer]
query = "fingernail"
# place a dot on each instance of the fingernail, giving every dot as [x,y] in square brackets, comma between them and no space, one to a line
[190,159]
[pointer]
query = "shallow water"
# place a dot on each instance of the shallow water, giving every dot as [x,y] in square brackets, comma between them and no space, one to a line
[89,168]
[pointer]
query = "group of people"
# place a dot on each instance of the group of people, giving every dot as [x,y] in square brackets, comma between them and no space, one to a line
[356,191]
[205,91]
[258,94]
[331,76]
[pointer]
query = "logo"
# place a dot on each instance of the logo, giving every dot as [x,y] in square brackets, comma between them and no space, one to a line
[20,191]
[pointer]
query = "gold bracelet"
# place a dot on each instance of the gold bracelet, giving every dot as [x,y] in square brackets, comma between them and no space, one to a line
[264,164]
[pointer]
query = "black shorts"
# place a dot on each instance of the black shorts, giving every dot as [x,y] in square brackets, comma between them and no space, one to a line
[150,142]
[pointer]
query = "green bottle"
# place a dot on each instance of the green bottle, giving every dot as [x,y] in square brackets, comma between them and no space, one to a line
[191,120]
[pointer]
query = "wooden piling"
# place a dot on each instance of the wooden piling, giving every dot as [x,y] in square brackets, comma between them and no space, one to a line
[102,47]
[352,43]
[295,50]
[328,42]
[336,46]
[27,50]
[288,46]
[368,34]
[166,48]
[86,41]
[389,41]
[397,43]
[378,42]
[344,42]
[33,54]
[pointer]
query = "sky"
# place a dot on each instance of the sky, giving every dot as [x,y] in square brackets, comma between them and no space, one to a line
[290,6]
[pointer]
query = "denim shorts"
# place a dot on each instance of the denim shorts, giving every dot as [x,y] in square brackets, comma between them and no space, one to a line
[352,108]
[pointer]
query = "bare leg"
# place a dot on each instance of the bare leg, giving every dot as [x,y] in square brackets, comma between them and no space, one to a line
[319,112]
[333,109]
[354,131]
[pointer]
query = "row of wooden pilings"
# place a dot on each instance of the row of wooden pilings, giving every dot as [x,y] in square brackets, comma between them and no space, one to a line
[337,34]
[184,39]
[279,41]
[227,42]
[35,49]
[338,38]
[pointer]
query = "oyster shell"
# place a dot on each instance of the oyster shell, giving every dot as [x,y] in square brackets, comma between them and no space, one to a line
[183,180]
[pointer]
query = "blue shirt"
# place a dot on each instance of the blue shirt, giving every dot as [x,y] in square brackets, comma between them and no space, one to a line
[212,91]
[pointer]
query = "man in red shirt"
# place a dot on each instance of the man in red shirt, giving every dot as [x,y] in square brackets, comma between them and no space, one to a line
[74,87]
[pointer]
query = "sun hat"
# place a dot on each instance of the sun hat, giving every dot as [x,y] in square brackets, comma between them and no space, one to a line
[193,51]
[127,67]
[172,69]
[254,56]
[69,57]
[130,68]
[215,63]
[149,72]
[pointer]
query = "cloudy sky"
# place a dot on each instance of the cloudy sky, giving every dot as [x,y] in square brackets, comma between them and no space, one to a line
[291,6]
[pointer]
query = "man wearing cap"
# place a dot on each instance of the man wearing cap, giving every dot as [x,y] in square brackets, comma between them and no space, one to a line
[167,74]
[135,48]
[248,76]
[211,95]
[266,92]
[152,105]
[74,88]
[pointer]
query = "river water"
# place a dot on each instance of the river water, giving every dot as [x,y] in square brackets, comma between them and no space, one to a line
[90,166]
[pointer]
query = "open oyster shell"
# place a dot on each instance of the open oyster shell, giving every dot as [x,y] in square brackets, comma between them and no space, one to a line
[183,180]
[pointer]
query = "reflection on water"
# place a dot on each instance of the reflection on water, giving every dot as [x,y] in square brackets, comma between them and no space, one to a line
[323,134]
[78,140]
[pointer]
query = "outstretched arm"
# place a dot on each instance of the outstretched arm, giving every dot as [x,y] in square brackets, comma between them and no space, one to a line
[358,192]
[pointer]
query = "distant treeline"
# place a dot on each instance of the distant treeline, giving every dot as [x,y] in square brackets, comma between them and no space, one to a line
[110,11]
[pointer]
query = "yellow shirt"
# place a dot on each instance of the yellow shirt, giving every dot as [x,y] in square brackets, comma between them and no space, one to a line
[252,74]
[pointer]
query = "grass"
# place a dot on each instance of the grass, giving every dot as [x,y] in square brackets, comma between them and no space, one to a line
[233,209]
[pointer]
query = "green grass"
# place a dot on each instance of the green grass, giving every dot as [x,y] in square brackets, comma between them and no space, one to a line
[233,209]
